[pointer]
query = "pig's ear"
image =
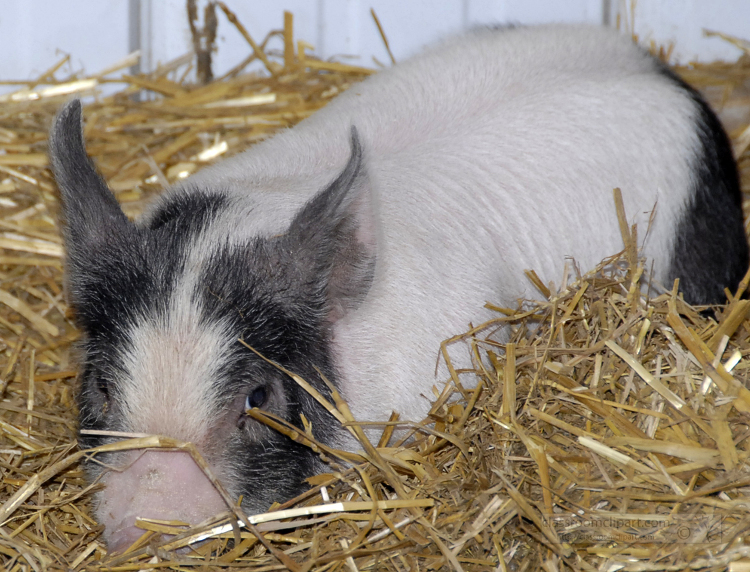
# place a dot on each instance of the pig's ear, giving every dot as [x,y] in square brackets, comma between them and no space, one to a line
[90,213]
[334,237]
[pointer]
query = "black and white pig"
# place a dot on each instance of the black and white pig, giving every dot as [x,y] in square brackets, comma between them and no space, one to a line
[360,239]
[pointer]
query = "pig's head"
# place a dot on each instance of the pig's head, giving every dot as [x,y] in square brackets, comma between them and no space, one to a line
[162,304]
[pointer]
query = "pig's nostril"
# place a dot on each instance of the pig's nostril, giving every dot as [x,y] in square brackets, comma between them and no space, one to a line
[122,539]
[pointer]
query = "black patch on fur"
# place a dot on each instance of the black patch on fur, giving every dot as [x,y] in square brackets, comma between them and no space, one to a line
[132,276]
[188,212]
[256,289]
[711,248]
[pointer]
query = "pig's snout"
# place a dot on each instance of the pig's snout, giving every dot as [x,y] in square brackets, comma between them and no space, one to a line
[163,485]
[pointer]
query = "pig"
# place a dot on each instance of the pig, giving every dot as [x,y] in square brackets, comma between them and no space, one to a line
[354,243]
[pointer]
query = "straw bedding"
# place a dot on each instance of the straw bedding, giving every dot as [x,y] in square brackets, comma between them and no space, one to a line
[610,433]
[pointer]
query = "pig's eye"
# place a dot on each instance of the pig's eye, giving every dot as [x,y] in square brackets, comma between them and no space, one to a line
[256,398]
[103,387]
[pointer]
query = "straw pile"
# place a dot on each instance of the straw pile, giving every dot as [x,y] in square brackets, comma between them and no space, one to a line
[610,433]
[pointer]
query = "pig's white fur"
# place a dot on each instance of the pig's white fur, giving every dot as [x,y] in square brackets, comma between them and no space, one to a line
[173,360]
[493,153]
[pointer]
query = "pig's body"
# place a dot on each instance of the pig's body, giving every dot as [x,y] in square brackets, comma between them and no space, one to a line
[491,154]
[475,178]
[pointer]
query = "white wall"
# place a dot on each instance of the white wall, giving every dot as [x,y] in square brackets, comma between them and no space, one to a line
[36,34]
[97,33]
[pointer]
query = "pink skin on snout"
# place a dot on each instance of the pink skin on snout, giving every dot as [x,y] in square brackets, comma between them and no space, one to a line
[164,485]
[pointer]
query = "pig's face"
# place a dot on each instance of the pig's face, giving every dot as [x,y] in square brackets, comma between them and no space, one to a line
[162,307]
[163,358]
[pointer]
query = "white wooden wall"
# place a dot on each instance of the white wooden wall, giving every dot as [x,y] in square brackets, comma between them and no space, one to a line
[35,34]
[96,33]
